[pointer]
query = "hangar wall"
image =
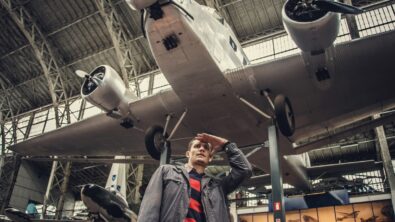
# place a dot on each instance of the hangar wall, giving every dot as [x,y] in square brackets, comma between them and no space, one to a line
[30,185]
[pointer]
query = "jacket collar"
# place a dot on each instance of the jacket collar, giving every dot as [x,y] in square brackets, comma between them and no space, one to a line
[182,169]
[185,169]
[205,181]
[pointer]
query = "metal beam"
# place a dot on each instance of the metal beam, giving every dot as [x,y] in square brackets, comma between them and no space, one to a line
[5,105]
[135,178]
[9,165]
[48,190]
[63,190]
[119,39]
[352,23]
[14,163]
[41,49]
[79,20]
[58,179]
[386,158]
[8,90]
[52,73]
[335,135]
[2,156]
[276,176]
[66,66]
[81,112]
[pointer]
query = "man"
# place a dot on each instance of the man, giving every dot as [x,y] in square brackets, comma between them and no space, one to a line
[186,194]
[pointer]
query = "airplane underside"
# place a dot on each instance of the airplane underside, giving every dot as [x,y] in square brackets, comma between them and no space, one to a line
[212,85]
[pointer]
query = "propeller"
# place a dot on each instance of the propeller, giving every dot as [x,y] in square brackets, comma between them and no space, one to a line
[332,6]
[82,74]
[306,9]
[92,80]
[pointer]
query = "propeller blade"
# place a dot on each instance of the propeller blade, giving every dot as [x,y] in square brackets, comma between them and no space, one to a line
[97,80]
[333,6]
[81,73]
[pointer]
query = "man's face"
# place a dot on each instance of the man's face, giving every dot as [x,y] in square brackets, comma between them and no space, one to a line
[199,153]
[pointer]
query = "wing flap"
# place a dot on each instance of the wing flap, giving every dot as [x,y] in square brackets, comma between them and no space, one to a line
[99,135]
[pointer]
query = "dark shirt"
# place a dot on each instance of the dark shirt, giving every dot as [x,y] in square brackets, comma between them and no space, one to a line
[195,210]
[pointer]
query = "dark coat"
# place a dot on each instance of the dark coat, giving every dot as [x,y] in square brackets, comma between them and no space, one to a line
[166,198]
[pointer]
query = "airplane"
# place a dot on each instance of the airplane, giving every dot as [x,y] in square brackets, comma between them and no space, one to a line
[103,204]
[109,203]
[215,89]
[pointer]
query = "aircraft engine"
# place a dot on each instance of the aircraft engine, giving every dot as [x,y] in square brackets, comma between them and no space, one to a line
[104,88]
[140,4]
[312,30]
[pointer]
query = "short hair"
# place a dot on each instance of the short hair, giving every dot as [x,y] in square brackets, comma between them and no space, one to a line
[191,142]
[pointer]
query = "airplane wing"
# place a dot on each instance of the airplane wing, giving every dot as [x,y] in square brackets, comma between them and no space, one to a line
[102,135]
[360,84]
[322,171]
[363,81]
[331,170]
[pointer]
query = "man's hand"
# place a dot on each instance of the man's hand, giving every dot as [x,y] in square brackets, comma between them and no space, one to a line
[215,141]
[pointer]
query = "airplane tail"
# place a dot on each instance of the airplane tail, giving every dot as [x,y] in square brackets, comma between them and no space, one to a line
[117,178]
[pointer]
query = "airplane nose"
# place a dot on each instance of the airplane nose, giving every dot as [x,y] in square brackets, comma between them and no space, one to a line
[87,190]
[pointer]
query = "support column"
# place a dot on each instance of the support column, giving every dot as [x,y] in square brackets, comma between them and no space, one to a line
[386,158]
[139,180]
[59,178]
[63,191]
[165,155]
[275,174]
[352,23]
[13,170]
[2,131]
[46,57]
[49,187]
[10,165]
[135,178]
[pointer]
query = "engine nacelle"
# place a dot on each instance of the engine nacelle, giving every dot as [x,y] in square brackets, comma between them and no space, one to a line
[105,89]
[140,4]
[314,34]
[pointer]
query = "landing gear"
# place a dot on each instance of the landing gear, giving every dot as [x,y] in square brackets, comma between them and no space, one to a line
[155,141]
[283,120]
[284,115]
